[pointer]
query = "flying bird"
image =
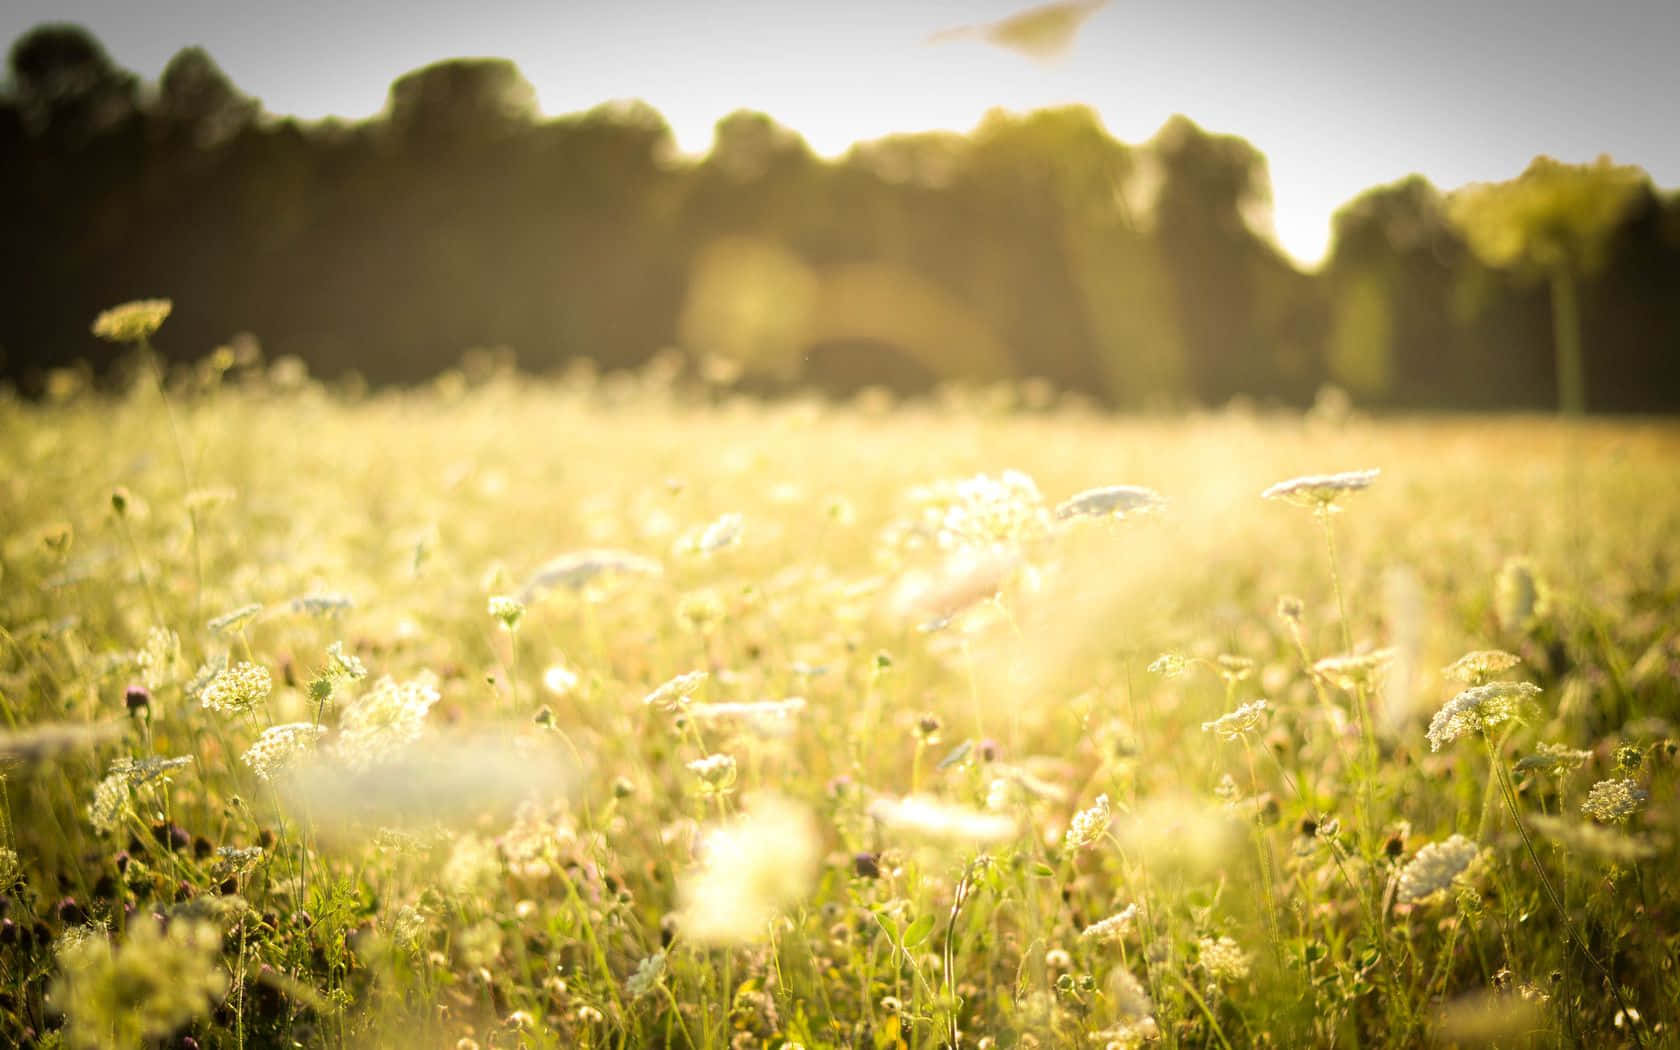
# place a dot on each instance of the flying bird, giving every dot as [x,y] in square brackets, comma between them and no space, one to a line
[1044,32]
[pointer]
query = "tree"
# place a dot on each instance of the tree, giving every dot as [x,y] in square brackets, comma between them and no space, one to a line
[65,85]
[1554,221]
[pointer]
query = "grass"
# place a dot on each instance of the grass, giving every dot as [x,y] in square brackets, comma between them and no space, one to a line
[505,845]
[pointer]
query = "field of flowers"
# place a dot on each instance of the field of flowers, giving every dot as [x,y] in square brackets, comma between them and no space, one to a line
[606,712]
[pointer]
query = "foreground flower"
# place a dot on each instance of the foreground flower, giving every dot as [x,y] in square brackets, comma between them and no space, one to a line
[390,716]
[1321,492]
[1222,959]
[142,990]
[920,816]
[1614,801]
[1115,501]
[751,870]
[1435,867]
[1088,825]
[1237,724]
[132,322]
[1479,708]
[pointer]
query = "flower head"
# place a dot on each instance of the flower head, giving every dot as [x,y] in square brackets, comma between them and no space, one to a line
[1614,801]
[239,688]
[1114,927]
[1088,825]
[1116,501]
[1321,492]
[141,990]
[1477,667]
[1223,959]
[280,747]
[1356,670]
[750,870]
[919,816]
[1435,867]
[676,693]
[1478,708]
[388,717]
[132,322]
[1557,759]
[1236,724]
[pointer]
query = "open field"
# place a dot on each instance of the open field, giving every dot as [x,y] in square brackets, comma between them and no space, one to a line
[466,823]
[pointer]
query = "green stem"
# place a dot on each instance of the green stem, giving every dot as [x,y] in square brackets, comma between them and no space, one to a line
[1566,334]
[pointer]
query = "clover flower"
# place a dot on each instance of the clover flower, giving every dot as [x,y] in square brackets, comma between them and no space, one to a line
[1237,724]
[132,322]
[1614,801]
[1435,867]
[1479,708]
[1321,492]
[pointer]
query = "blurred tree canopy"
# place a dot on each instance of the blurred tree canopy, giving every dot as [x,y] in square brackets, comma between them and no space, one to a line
[1035,246]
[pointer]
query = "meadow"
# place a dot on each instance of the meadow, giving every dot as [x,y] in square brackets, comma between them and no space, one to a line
[619,711]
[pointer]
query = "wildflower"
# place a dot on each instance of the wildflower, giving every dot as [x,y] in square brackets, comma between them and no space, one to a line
[232,862]
[323,604]
[675,693]
[972,513]
[1234,668]
[559,680]
[1088,825]
[239,688]
[715,536]
[1235,725]
[341,664]
[388,717]
[1435,867]
[1614,801]
[132,322]
[507,610]
[1321,492]
[576,570]
[236,620]
[142,990]
[160,660]
[1556,759]
[1222,959]
[1114,927]
[645,981]
[1168,665]
[1477,667]
[750,870]
[716,772]
[921,816]
[1354,671]
[1113,501]
[764,717]
[280,747]
[1478,708]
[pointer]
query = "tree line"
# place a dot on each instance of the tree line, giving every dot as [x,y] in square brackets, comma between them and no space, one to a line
[1035,246]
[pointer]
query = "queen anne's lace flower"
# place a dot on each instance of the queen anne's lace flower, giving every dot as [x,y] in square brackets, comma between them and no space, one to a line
[1614,801]
[280,747]
[1088,825]
[132,322]
[1321,492]
[1479,708]
[1115,501]
[1222,958]
[239,688]
[1477,667]
[390,716]
[1435,867]
[1234,725]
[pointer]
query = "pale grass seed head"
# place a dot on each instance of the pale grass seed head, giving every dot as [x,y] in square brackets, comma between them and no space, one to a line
[751,870]
[1435,867]
[1321,492]
[133,321]
[1478,708]
[1614,801]
[1249,718]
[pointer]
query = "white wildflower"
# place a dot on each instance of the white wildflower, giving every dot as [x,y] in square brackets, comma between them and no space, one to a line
[751,869]
[921,816]
[1435,867]
[1237,724]
[1115,501]
[1479,708]
[1321,492]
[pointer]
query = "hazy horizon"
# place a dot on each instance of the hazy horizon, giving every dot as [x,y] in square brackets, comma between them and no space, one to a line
[1340,98]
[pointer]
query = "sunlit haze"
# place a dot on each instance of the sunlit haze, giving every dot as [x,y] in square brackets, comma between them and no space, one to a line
[1339,96]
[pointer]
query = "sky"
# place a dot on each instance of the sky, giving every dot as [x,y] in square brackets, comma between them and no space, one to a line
[1341,95]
